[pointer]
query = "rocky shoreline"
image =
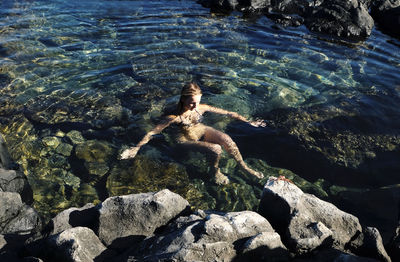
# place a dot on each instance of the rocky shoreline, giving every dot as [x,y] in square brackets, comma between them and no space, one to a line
[343,18]
[290,225]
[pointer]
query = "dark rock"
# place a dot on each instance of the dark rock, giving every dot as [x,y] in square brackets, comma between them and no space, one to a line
[75,244]
[306,221]
[17,217]
[286,20]
[341,18]
[220,6]
[345,18]
[12,249]
[16,181]
[393,247]
[369,244]
[333,255]
[387,14]
[376,207]
[126,219]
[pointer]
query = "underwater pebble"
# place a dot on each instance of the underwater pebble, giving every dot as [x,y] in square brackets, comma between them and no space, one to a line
[60,133]
[94,151]
[64,149]
[97,169]
[75,137]
[57,160]
[51,141]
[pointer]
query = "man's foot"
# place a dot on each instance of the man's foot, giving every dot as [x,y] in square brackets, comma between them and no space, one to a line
[220,178]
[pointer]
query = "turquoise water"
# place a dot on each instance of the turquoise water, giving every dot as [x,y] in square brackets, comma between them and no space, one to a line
[81,80]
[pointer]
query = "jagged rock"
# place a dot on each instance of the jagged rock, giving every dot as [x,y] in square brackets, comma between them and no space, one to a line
[84,217]
[17,217]
[387,14]
[305,238]
[304,220]
[16,181]
[341,18]
[210,237]
[75,244]
[335,17]
[369,243]
[222,6]
[133,217]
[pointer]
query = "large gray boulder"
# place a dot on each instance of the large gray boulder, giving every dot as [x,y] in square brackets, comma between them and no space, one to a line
[75,244]
[127,219]
[305,221]
[212,237]
[16,181]
[73,217]
[17,217]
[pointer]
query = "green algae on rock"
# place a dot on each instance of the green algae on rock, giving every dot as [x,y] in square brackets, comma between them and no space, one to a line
[146,175]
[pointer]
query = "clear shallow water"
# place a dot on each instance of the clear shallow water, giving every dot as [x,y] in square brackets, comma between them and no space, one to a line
[83,79]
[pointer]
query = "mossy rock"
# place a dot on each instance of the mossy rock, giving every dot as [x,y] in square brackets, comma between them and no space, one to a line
[94,151]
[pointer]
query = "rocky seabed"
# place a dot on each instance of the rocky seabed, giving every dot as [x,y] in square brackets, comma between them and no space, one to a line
[290,225]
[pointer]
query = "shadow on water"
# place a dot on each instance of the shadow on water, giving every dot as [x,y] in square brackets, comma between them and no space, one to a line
[337,144]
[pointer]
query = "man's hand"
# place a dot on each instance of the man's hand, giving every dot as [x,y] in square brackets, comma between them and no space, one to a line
[129,153]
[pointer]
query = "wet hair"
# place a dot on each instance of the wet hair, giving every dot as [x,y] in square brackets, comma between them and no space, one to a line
[188,90]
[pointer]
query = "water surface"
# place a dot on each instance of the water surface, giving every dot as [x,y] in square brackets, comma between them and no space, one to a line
[81,80]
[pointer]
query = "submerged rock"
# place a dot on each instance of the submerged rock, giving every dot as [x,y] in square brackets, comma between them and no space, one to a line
[144,174]
[75,137]
[5,158]
[84,110]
